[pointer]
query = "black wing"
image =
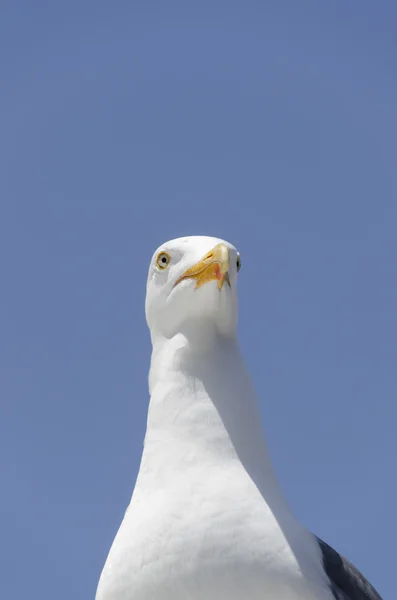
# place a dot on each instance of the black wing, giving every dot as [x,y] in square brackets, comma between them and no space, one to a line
[347,583]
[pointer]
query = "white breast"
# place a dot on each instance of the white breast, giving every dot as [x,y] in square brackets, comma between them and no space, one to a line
[212,538]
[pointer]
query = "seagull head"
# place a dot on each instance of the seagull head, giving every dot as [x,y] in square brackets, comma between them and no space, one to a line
[192,282]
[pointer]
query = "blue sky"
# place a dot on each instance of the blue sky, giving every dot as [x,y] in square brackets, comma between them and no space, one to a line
[124,124]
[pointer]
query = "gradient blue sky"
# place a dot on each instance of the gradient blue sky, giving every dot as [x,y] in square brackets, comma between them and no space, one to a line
[270,124]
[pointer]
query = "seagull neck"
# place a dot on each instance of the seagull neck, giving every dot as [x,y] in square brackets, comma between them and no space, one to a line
[202,398]
[194,337]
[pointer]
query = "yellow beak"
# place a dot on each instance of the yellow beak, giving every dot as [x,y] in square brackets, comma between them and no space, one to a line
[213,267]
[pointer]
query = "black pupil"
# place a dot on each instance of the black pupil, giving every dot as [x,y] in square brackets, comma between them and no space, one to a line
[164,259]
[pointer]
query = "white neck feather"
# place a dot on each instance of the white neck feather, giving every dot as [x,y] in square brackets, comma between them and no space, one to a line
[203,408]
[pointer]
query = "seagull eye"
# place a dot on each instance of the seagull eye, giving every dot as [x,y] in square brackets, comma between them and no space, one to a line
[238,263]
[163,260]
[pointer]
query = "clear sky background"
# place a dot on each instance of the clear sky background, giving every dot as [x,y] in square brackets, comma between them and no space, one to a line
[124,124]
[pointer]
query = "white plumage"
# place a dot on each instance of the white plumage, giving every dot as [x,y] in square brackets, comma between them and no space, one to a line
[207,519]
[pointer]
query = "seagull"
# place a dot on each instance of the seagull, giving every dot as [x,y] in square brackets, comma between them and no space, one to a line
[207,518]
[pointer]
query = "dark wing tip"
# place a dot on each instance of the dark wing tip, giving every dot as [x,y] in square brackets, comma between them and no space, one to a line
[347,582]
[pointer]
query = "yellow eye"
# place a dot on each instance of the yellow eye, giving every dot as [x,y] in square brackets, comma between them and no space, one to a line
[238,262]
[163,260]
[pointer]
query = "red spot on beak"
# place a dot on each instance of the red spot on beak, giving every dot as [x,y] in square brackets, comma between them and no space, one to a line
[218,271]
